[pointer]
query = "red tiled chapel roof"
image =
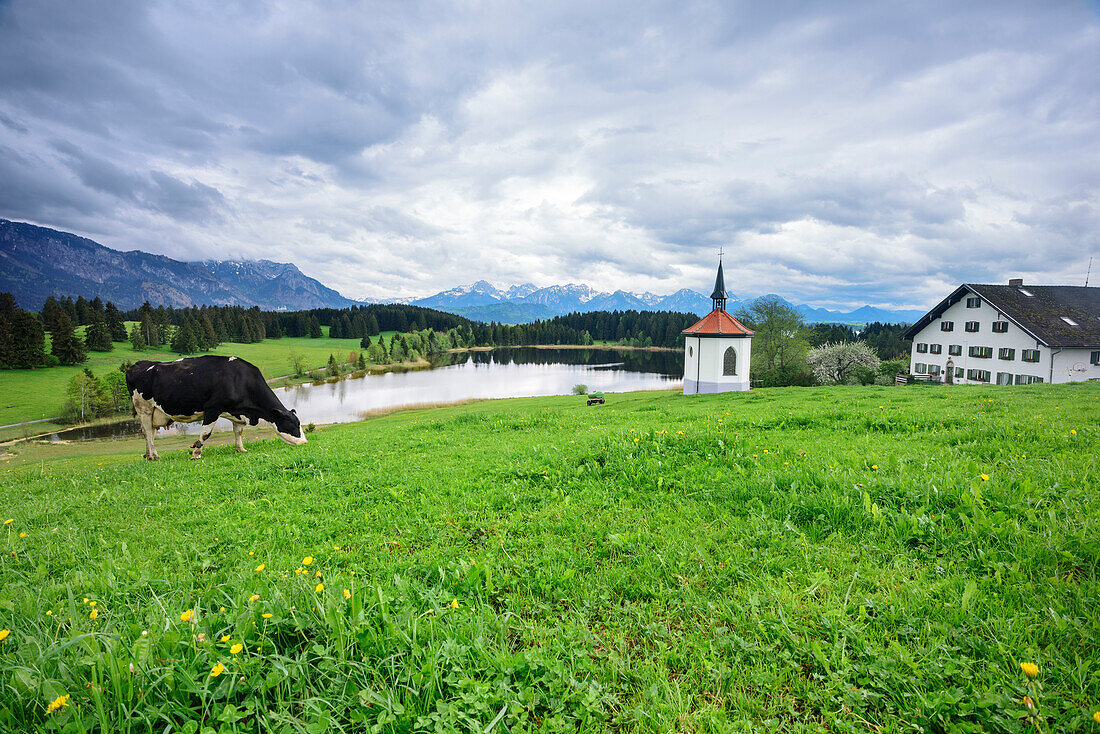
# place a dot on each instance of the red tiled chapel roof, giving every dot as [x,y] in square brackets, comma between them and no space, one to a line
[718,323]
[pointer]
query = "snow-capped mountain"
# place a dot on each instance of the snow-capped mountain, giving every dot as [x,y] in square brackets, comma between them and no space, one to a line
[482,301]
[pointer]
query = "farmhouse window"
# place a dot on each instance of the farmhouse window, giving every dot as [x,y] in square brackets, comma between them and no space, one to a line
[981,352]
[935,348]
[955,350]
[729,362]
[959,372]
[1030,355]
[1006,353]
[934,370]
[1095,358]
[1027,379]
[973,302]
[978,375]
[1004,378]
[922,347]
[1000,327]
[920,368]
[972,325]
[947,326]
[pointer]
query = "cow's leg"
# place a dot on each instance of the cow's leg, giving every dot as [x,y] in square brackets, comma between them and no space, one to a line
[208,420]
[238,433]
[145,417]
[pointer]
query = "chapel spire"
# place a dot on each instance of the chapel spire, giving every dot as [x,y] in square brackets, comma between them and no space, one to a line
[719,295]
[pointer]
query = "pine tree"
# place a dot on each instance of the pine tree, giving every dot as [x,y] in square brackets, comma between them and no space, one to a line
[206,336]
[185,341]
[137,338]
[314,328]
[97,337]
[67,346]
[365,342]
[333,367]
[115,325]
[26,344]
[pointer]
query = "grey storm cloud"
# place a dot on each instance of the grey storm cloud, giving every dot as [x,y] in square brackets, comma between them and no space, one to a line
[841,153]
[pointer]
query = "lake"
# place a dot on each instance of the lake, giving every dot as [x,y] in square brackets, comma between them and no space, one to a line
[511,372]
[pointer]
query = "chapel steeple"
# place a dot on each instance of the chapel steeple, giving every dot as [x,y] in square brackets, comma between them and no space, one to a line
[719,296]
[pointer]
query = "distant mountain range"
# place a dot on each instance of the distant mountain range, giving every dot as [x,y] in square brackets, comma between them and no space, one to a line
[38,262]
[519,304]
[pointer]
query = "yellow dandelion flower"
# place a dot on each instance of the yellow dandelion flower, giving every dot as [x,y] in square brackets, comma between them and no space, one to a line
[336,547]
[261,567]
[4,634]
[318,574]
[1073,431]
[236,649]
[9,521]
[985,477]
[1030,669]
[217,670]
[347,594]
[186,616]
[22,535]
[319,588]
[57,703]
[251,553]
[226,638]
[92,603]
[454,604]
[307,560]
[93,614]
[267,615]
[1096,717]
[254,597]
[874,467]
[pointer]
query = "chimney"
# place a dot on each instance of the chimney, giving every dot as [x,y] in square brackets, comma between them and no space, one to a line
[1016,282]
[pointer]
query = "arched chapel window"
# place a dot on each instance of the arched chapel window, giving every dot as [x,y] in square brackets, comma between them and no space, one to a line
[729,362]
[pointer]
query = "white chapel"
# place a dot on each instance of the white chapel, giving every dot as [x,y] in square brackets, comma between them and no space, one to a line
[717,349]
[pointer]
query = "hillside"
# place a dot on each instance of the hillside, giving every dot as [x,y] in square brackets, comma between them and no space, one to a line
[833,559]
[37,262]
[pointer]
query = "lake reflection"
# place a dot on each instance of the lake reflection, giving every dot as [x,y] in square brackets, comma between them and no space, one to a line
[502,373]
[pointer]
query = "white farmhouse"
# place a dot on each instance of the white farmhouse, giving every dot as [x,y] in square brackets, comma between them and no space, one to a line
[1010,335]
[717,349]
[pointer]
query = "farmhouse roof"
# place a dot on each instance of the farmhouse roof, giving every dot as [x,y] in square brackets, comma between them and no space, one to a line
[717,323]
[1055,315]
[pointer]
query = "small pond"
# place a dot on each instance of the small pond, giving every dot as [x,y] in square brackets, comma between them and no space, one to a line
[502,373]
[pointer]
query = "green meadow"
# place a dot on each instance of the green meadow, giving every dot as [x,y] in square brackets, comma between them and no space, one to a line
[793,560]
[27,395]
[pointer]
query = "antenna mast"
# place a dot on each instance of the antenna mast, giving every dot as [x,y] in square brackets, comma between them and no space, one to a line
[1088,273]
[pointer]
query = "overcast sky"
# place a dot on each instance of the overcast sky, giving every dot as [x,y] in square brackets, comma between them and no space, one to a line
[842,153]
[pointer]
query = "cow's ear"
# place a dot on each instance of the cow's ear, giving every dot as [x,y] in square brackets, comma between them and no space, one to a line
[293,411]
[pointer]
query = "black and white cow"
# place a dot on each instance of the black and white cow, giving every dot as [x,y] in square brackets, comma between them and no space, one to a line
[206,388]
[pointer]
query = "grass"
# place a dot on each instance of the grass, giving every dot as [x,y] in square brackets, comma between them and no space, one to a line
[27,395]
[799,560]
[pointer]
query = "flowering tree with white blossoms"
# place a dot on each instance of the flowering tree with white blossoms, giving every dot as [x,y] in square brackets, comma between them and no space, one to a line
[836,364]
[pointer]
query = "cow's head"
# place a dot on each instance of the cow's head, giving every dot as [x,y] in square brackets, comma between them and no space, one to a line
[289,427]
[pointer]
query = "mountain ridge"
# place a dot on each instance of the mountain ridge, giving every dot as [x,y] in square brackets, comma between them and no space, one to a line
[38,262]
[484,301]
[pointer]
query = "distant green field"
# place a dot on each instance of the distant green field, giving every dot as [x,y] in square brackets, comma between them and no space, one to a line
[32,394]
[784,560]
